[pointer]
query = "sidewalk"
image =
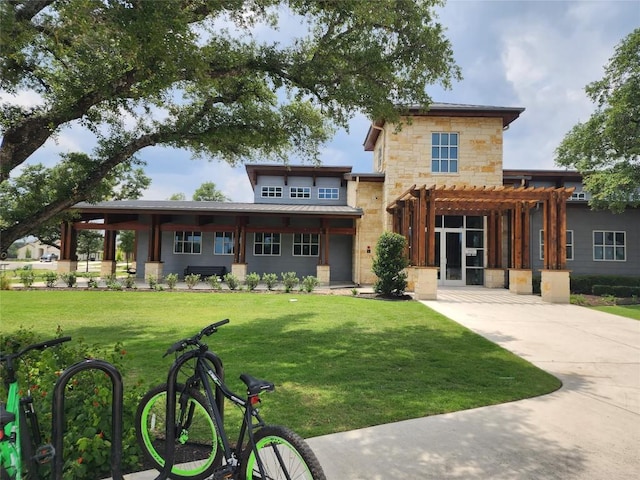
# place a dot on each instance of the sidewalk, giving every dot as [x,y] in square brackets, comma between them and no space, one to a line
[587,430]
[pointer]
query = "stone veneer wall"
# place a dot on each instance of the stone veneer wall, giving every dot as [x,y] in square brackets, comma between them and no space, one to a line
[407,158]
[368,197]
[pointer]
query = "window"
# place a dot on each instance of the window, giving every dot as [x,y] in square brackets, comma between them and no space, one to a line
[187,242]
[223,243]
[271,192]
[300,192]
[266,244]
[444,152]
[578,196]
[609,246]
[325,193]
[569,249]
[305,245]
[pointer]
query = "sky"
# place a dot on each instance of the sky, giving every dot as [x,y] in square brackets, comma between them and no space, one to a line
[538,55]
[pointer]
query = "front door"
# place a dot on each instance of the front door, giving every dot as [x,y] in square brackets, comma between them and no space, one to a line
[449,245]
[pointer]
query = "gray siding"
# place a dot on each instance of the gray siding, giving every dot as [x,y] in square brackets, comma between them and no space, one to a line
[321,182]
[583,222]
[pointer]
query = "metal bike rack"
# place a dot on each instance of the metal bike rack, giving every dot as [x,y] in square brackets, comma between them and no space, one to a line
[170,420]
[116,414]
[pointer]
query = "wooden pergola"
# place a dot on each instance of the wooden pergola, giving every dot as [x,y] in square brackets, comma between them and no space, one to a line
[414,216]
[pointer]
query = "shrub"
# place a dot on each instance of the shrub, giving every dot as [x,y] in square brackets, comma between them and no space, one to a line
[309,283]
[5,282]
[214,282]
[389,263]
[152,281]
[87,441]
[69,279]
[50,278]
[232,281]
[27,277]
[289,281]
[354,291]
[171,280]
[192,280]
[270,280]
[584,283]
[130,282]
[252,280]
[620,291]
[92,283]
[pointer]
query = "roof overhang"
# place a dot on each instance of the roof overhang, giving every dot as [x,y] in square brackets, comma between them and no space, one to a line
[256,170]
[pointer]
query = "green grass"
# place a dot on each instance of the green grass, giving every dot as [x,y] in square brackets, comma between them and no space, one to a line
[339,363]
[629,311]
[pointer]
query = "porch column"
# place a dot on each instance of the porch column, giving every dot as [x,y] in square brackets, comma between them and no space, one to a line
[426,283]
[239,270]
[555,286]
[323,274]
[68,261]
[520,281]
[108,264]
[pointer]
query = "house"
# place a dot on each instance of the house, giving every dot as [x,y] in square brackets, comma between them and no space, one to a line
[439,181]
[35,249]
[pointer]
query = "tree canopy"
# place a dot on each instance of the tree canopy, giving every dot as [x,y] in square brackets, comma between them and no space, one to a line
[207,192]
[606,148]
[194,75]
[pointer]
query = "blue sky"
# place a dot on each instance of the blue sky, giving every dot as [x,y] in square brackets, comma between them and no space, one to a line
[533,54]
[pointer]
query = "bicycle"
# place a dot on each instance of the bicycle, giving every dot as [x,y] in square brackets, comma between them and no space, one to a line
[181,430]
[21,448]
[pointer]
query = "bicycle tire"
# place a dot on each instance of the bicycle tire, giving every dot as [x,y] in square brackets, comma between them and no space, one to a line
[196,447]
[298,460]
[27,447]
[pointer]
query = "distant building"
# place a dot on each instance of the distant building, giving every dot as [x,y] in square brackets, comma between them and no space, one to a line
[439,181]
[36,249]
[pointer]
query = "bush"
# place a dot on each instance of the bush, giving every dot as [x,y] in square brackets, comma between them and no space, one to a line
[252,280]
[389,264]
[232,281]
[620,291]
[289,281]
[87,439]
[50,278]
[270,280]
[152,281]
[192,280]
[92,283]
[584,283]
[309,283]
[69,279]
[130,282]
[214,282]
[5,282]
[171,280]
[27,277]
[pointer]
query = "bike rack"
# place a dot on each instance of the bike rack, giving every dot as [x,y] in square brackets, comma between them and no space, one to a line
[170,420]
[57,410]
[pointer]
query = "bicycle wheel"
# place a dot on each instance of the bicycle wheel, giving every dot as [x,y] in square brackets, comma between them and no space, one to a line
[27,446]
[284,455]
[196,445]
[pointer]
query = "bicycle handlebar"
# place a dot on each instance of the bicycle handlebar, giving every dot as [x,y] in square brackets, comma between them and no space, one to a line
[36,346]
[195,340]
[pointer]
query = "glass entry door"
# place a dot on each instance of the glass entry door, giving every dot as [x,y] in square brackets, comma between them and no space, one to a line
[449,257]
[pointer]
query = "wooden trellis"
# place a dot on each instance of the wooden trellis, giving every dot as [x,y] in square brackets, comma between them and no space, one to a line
[414,216]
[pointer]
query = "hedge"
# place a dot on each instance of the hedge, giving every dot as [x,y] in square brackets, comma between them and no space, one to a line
[620,291]
[583,284]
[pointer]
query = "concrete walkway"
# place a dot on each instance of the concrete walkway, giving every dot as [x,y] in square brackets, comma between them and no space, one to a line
[587,430]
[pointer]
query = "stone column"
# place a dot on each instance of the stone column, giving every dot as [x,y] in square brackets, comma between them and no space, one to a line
[426,285]
[520,281]
[107,268]
[67,266]
[239,270]
[555,286]
[494,277]
[323,273]
[153,268]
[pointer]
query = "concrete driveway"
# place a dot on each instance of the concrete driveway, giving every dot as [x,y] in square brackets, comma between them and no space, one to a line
[587,430]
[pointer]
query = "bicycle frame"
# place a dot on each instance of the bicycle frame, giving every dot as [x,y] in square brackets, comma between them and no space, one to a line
[209,368]
[10,435]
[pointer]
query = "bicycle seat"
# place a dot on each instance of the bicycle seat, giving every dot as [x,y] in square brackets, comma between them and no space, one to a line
[255,385]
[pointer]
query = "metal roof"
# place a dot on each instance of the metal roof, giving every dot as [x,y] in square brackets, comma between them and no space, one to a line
[173,206]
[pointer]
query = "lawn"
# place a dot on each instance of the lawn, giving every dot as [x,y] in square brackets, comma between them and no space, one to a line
[629,311]
[338,362]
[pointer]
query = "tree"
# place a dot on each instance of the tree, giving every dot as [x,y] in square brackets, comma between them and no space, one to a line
[606,148]
[89,242]
[193,74]
[389,263]
[179,197]
[127,244]
[207,192]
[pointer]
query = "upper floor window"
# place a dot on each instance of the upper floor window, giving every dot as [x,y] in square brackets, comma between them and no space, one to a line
[300,192]
[187,242]
[306,244]
[271,192]
[328,193]
[609,246]
[223,243]
[266,244]
[444,152]
[569,249]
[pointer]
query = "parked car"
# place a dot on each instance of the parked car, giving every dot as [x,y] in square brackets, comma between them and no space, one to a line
[48,257]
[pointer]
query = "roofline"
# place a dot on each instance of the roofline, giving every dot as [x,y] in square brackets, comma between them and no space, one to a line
[508,115]
[255,169]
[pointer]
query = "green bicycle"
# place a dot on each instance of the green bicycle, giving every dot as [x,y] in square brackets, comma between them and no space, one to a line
[21,449]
